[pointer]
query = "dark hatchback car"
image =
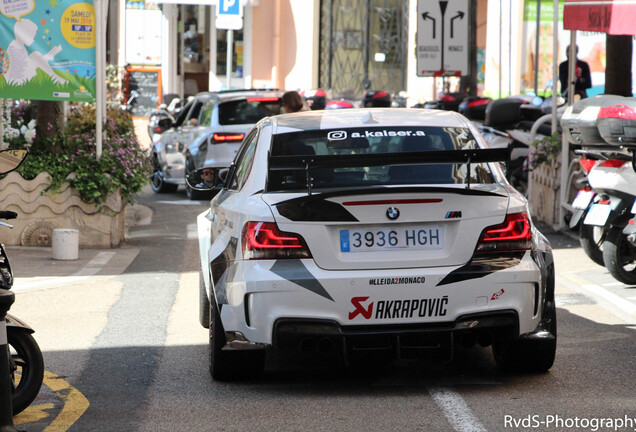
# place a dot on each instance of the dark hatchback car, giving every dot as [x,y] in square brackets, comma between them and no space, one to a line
[208,132]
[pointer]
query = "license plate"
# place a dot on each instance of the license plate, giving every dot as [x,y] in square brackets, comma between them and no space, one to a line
[398,237]
[582,199]
[597,214]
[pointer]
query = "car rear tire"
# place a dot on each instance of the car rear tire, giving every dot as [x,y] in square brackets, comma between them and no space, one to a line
[528,355]
[226,365]
[159,186]
[591,239]
[620,257]
[204,304]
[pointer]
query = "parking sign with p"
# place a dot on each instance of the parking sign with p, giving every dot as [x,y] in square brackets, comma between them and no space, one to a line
[229,14]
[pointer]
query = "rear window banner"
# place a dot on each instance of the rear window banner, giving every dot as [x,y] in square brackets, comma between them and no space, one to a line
[47,50]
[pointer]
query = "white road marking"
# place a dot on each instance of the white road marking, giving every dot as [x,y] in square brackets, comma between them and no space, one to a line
[456,410]
[619,302]
[182,202]
[613,284]
[193,231]
[91,268]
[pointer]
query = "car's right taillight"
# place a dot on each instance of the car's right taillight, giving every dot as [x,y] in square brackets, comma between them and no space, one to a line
[263,240]
[227,137]
[514,234]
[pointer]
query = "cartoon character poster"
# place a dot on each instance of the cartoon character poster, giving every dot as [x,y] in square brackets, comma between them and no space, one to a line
[47,50]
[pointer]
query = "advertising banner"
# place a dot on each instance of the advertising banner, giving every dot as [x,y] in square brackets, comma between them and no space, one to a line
[47,50]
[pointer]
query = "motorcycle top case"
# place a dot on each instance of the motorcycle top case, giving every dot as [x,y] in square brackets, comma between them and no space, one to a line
[474,107]
[579,121]
[617,123]
[503,112]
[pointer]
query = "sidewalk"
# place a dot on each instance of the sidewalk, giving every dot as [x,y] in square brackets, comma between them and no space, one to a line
[34,265]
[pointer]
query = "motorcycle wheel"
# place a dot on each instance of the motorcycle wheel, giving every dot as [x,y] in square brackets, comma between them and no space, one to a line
[620,257]
[591,239]
[27,368]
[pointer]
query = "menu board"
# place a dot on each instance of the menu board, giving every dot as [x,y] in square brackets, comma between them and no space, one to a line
[147,82]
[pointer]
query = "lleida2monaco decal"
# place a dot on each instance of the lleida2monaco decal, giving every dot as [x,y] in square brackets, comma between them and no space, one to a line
[391,309]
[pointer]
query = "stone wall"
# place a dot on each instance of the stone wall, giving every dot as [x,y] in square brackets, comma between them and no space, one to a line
[39,213]
[545,194]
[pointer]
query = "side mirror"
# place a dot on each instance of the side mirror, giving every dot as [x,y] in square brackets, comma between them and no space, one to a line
[164,123]
[11,160]
[204,179]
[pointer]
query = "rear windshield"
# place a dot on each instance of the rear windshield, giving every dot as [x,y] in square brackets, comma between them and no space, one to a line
[380,141]
[248,111]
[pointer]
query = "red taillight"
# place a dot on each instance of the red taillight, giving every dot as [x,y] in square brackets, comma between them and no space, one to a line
[514,234]
[447,98]
[157,129]
[227,137]
[618,111]
[586,164]
[263,240]
[263,99]
[612,163]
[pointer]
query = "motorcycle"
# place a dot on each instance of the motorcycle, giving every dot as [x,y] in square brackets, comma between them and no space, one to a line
[602,125]
[25,357]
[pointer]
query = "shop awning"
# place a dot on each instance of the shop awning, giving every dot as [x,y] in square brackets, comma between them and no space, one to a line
[615,17]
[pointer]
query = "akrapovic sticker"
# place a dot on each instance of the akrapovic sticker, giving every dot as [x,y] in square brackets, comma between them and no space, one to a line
[392,309]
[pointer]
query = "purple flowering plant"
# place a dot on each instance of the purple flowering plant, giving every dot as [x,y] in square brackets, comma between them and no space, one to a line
[123,164]
[543,151]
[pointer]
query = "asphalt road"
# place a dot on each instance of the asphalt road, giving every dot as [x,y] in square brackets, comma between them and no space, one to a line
[123,350]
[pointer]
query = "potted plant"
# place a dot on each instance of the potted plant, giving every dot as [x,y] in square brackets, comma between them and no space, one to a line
[62,184]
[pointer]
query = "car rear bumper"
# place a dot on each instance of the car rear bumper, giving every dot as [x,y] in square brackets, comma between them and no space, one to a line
[264,297]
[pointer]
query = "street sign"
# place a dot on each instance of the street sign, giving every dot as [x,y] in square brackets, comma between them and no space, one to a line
[229,14]
[442,37]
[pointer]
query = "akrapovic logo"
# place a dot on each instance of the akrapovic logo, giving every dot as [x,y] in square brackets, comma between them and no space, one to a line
[337,135]
[392,309]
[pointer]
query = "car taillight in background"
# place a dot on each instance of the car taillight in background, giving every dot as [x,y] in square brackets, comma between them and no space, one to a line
[264,99]
[263,240]
[227,137]
[514,234]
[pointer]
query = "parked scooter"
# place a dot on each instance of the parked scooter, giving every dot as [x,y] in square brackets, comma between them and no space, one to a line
[25,358]
[604,124]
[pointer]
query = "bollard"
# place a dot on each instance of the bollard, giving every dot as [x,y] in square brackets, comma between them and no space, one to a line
[6,407]
[65,244]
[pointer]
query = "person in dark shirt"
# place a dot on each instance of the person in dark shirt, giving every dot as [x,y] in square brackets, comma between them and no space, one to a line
[583,78]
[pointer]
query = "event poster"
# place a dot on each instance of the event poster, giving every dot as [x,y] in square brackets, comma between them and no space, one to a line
[47,50]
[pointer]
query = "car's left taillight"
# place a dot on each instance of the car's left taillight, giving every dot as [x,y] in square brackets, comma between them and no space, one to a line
[263,240]
[514,234]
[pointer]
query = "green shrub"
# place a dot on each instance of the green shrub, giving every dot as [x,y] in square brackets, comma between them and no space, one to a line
[124,165]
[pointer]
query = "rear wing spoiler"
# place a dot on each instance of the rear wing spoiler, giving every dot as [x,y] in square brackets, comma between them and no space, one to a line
[308,162]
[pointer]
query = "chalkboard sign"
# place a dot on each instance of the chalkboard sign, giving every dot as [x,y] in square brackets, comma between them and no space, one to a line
[147,82]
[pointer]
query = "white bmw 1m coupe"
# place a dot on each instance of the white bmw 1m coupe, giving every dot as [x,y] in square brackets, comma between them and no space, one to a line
[371,230]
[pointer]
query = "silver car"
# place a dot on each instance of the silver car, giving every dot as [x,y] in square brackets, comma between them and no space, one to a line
[208,132]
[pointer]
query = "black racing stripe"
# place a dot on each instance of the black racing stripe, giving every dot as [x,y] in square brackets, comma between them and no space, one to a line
[314,208]
[222,269]
[295,271]
[482,266]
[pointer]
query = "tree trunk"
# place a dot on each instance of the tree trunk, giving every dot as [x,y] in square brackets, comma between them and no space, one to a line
[618,69]
[48,127]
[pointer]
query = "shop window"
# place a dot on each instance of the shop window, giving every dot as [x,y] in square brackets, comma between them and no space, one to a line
[237,53]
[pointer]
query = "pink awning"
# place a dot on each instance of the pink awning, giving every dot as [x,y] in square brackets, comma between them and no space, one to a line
[615,17]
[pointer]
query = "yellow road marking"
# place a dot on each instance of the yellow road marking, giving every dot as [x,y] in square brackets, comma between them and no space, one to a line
[75,404]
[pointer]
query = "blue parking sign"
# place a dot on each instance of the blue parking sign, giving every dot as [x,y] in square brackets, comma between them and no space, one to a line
[229,14]
[230,7]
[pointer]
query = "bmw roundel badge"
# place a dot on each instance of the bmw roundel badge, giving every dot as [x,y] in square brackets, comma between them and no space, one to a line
[392,213]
